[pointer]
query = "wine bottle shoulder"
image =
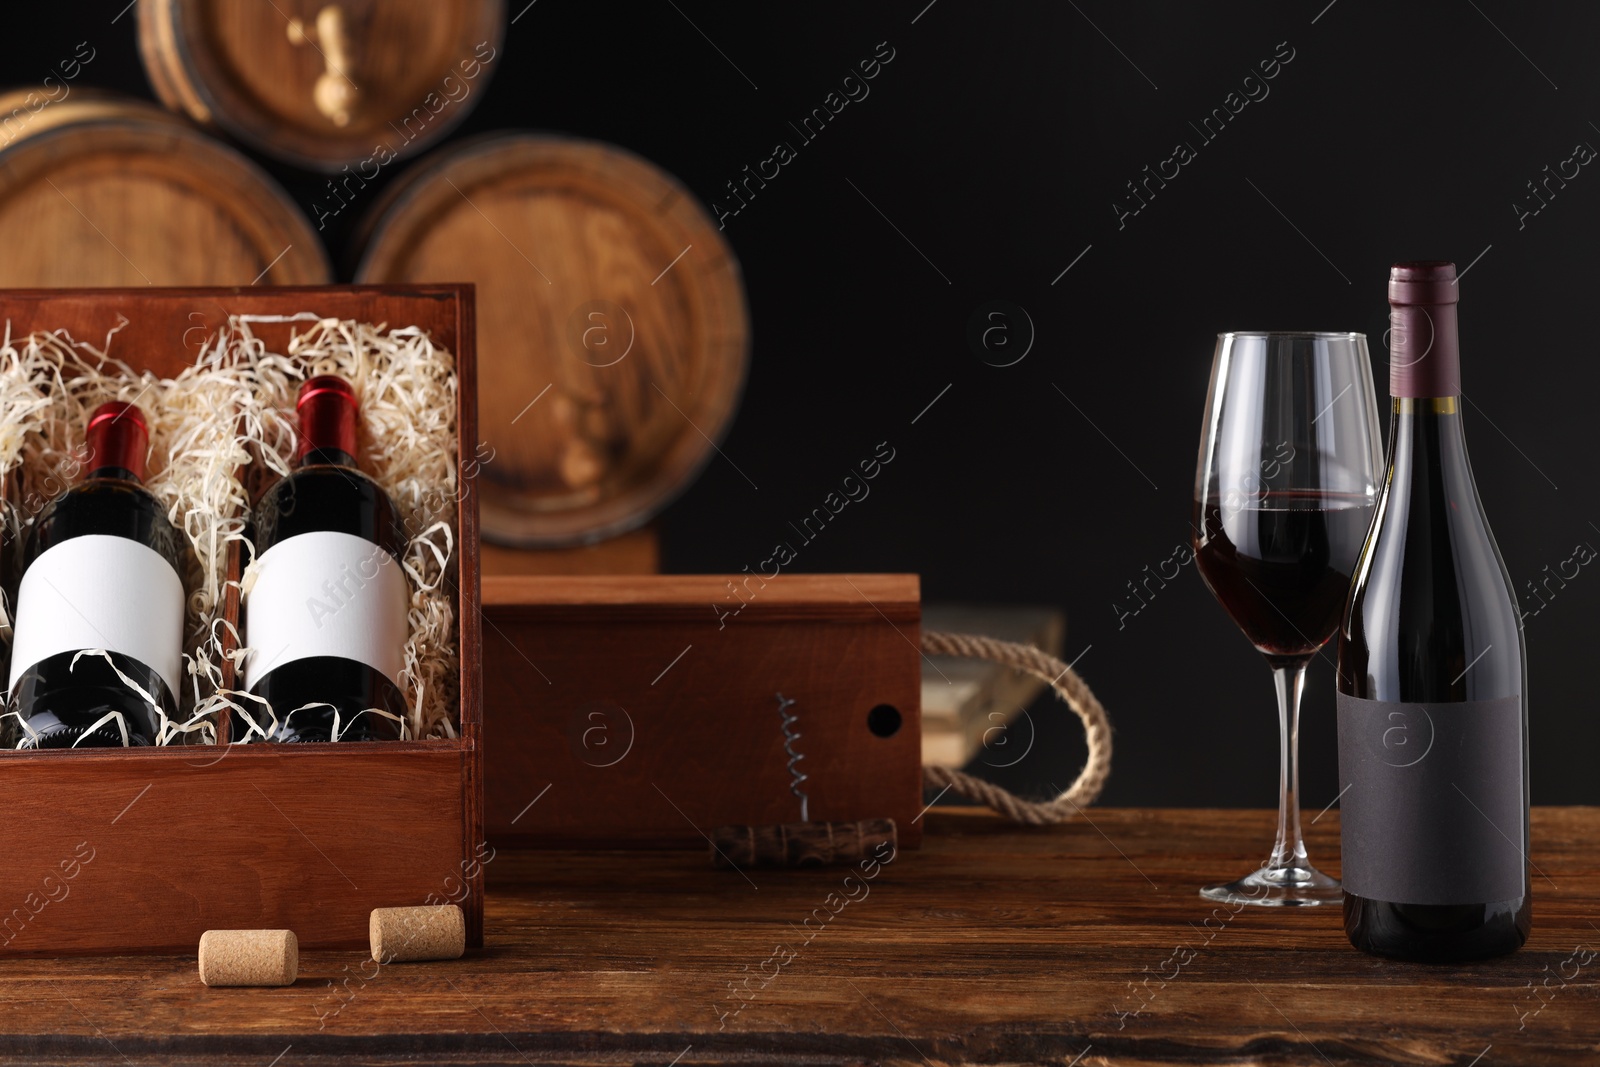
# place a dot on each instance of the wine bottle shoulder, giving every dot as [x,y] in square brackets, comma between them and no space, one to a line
[328,498]
[111,506]
[1431,614]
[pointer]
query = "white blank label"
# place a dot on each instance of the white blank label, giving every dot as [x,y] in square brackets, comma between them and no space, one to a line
[326,594]
[101,591]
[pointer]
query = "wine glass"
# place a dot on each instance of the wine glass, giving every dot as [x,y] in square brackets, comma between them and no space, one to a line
[1289,472]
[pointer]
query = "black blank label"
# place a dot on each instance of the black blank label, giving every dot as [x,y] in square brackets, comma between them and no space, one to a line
[1433,812]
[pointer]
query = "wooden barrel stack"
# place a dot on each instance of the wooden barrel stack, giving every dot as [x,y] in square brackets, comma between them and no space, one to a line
[323,85]
[612,323]
[612,329]
[98,189]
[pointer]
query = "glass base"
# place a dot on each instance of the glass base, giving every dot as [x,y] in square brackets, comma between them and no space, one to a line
[1282,887]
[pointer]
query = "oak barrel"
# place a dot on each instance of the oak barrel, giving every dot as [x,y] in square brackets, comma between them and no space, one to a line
[101,190]
[347,84]
[613,333]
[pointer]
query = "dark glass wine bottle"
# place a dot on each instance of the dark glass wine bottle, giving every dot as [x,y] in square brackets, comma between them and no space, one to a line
[326,611]
[1432,700]
[101,571]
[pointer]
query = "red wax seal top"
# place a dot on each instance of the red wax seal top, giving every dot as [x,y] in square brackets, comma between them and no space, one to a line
[118,437]
[1424,348]
[327,407]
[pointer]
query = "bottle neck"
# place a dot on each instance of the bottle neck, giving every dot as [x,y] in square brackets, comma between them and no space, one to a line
[1424,351]
[116,444]
[321,457]
[1428,450]
[120,474]
[327,426]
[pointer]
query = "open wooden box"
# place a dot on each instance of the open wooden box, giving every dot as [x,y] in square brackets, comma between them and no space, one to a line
[116,850]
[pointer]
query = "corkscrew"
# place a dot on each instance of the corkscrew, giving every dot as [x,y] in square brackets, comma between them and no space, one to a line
[804,843]
[790,736]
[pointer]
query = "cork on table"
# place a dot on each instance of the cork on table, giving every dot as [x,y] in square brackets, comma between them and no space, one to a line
[1085,943]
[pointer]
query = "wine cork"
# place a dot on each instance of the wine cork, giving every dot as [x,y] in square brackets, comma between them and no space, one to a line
[801,844]
[425,933]
[249,957]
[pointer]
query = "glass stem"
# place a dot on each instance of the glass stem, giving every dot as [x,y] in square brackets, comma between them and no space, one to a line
[1289,677]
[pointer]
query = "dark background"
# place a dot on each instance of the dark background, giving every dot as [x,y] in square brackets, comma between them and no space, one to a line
[992,148]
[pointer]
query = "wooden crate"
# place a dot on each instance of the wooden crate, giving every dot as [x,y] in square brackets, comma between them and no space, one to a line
[621,711]
[165,843]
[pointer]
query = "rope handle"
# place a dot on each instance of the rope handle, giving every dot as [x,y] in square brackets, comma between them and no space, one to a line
[1070,688]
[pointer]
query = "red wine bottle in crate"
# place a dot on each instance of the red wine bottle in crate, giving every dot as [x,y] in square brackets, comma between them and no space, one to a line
[98,636]
[326,607]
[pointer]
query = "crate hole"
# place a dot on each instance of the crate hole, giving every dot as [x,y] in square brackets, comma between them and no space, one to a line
[884,720]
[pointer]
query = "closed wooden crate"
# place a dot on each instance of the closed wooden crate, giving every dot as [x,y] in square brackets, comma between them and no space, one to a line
[141,850]
[642,711]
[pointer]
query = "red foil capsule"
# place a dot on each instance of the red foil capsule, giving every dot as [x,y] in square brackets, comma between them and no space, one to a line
[327,407]
[1424,346]
[118,437]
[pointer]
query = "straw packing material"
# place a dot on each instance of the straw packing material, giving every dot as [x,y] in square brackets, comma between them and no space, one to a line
[49,384]
[406,390]
[203,468]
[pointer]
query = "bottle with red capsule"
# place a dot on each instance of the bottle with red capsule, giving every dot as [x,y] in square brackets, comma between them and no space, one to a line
[100,605]
[1433,676]
[326,607]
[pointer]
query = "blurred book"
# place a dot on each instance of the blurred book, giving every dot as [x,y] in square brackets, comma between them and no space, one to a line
[965,700]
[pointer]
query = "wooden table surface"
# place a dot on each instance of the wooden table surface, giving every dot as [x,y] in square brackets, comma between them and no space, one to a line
[1082,944]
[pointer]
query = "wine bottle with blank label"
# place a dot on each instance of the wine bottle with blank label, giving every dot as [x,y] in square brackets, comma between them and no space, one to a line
[98,639]
[326,606]
[1433,686]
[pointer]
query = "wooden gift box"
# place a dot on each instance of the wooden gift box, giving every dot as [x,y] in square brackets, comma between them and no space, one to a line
[641,711]
[142,850]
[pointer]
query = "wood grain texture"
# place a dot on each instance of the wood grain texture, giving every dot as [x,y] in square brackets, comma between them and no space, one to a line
[991,945]
[233,66]
[635,552]
[168,327]
[183,840]
[612,320]
[894,598]
[627,711]
[106,190]
[309,838]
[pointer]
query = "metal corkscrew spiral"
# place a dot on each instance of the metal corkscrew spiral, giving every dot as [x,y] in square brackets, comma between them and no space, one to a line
[804,843]
[790,736]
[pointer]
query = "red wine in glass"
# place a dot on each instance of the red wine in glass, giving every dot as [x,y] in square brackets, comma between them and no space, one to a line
[1281,564]
[1285,490]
